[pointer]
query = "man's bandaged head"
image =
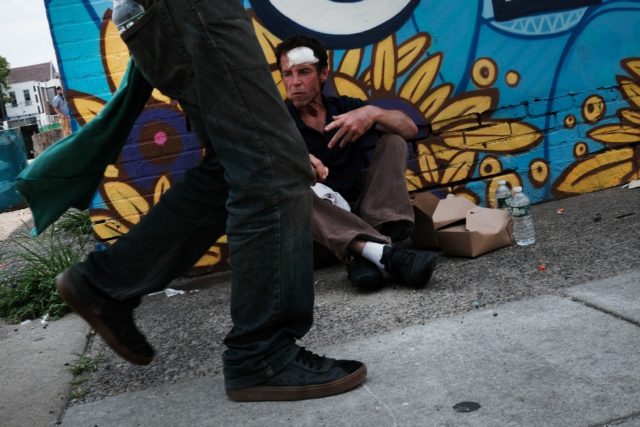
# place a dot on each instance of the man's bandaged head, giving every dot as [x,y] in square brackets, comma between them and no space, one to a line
[301,55]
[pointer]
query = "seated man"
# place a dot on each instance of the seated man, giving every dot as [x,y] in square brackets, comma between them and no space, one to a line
[335,130]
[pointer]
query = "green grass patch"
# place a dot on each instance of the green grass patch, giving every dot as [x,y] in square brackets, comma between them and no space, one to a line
[27,288]
[74,221]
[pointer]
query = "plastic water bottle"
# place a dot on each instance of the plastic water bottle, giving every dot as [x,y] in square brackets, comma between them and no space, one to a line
[126,13]
[503,194]
[520,208]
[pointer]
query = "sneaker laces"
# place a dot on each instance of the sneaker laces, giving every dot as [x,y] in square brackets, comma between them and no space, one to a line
[309,358]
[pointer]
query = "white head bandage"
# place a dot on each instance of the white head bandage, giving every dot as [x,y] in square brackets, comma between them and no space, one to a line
[301,55]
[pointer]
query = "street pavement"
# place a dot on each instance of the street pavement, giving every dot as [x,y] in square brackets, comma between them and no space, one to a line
[546,335]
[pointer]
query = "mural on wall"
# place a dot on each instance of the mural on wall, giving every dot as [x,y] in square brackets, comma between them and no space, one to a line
[549,101]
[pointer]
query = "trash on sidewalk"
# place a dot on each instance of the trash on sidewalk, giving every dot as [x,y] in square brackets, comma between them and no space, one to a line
[542,268]
[460,227]
[633,184]
[45,319]
[560,211]
[169,292]
[173,292]
[25,322]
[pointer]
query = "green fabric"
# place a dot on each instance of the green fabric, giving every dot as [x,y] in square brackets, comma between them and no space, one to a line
[68,173]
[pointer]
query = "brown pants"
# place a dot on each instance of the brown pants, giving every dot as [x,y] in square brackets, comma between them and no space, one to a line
[385,198]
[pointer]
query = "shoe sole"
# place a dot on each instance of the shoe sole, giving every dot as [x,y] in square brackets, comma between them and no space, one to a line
[368,284]
[98,325]
[287,393]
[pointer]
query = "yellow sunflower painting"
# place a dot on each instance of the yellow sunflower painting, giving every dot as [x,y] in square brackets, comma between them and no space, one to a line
[620,163]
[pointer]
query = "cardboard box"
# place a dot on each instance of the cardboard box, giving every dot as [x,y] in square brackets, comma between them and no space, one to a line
[424,235]
[464,229]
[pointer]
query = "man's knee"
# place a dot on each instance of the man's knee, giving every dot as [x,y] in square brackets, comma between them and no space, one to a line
[393,143]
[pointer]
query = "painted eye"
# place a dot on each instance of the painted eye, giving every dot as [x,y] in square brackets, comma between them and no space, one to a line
[339,24]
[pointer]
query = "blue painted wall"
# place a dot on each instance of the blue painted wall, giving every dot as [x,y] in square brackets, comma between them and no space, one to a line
[548,101]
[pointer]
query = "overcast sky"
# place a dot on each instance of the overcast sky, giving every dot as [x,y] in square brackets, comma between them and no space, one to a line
[24,33]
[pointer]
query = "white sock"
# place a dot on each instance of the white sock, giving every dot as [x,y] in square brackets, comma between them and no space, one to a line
[373,252]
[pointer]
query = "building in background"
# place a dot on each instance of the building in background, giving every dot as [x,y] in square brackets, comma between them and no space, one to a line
[31,90]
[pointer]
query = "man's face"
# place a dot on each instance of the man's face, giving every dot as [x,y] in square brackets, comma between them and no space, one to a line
[302,82]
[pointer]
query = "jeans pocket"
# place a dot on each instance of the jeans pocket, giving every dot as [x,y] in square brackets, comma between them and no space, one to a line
[158,52]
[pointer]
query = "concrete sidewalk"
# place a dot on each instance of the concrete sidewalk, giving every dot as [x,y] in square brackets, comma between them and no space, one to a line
[551,361]
[541,335]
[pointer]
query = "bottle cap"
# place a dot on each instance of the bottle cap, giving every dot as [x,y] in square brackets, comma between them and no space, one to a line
[517,189]
[502,182]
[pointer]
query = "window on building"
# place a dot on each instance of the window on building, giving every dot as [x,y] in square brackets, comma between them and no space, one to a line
[14,100]
[27,97]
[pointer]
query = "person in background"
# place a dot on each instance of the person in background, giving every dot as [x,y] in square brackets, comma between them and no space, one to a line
[61,107]
[336,131]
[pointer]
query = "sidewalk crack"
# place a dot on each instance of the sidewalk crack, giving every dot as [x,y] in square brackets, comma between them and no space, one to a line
[617,421]
[387,407]
[603,310]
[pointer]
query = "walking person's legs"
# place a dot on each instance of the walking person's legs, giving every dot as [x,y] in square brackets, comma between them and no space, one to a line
[255,175]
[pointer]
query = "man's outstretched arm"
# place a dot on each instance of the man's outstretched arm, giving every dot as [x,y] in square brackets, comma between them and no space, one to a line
[353,124]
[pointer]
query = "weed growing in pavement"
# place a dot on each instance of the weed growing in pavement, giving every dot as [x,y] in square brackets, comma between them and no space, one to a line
[75,221]
[85,363]
[27,288]
[78,393]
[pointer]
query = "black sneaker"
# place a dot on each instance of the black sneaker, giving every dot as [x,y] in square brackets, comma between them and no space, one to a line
[411,266]
[117,329]
[364,274]
[308,376]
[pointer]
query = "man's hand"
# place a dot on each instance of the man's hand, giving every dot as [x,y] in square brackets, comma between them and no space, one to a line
[351,125]
[355,123]
[319,169]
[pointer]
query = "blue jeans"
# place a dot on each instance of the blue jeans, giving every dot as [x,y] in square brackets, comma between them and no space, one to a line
[253,184]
